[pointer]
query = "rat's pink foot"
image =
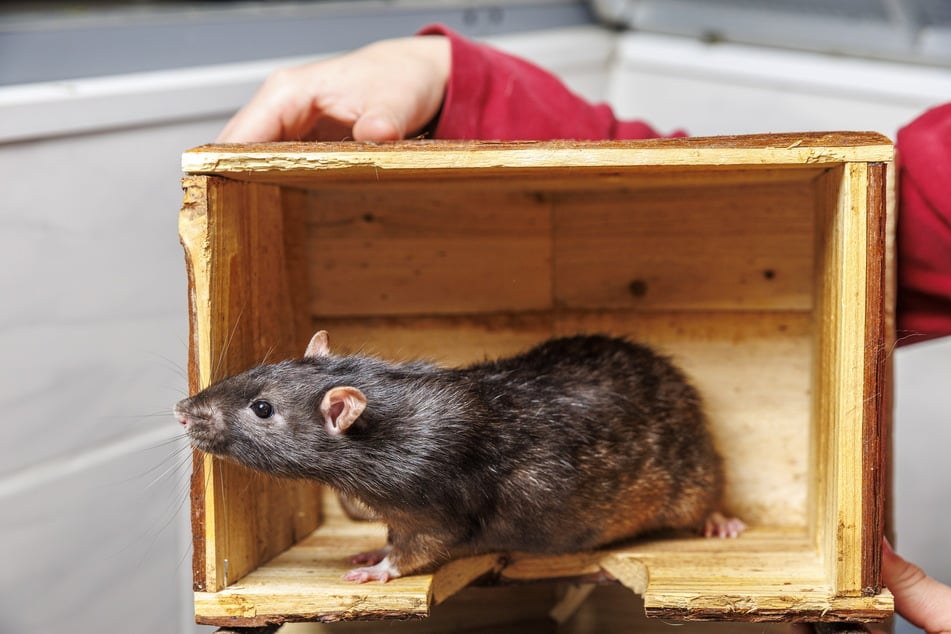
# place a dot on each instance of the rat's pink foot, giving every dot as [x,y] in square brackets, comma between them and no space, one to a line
[371,557]
[383,572]
[719,525]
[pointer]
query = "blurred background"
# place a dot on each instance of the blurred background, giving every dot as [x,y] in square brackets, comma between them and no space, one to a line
[97,102]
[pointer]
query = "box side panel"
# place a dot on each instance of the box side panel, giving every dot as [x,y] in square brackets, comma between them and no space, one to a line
[717,247]
[241,315]
[515,266]
[193,227]
[840,374]
[876,430]
[384,249]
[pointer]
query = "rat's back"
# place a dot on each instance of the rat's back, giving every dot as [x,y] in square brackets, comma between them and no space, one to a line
[599,439]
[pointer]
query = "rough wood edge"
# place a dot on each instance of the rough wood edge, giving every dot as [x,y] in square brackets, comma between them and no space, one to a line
[850,377]
[456,575]
[667,597]
[746,609]
[876,380]
[192,229]
[840,628]
[792,149]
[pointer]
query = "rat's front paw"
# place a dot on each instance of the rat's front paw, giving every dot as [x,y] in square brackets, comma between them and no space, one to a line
[382,571]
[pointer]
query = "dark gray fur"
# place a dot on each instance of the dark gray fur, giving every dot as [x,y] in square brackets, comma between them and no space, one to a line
[533,452]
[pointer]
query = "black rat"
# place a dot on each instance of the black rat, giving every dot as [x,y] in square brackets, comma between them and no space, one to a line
[577,443]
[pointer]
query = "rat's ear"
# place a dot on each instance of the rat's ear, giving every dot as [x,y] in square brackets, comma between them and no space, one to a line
[341,407]
[319,345]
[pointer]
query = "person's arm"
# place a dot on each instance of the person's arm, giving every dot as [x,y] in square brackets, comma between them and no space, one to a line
[387,90]
[495,96]
[924,226]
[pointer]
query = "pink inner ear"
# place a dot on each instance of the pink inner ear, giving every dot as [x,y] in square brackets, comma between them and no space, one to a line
[336,408]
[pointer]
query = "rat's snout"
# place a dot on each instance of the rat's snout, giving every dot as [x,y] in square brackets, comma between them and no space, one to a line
[181,415]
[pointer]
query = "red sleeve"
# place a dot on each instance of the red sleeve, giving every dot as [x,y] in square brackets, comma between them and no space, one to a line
[495,96]
[924,226]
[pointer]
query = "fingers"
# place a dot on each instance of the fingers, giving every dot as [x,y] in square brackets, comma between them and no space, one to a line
[920,599]
[379,126]
[384,91]
[279,111]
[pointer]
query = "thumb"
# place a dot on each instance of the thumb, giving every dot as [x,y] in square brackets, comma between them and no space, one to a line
[923,601]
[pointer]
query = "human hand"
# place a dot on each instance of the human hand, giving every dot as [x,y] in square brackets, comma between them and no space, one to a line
[384,91]
[923,601]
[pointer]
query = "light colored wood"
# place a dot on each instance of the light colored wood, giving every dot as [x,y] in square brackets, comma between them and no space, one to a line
[678,249]
[233,236]
[841,287]
[380,250]
[750,253]
[371,162]
[767,574]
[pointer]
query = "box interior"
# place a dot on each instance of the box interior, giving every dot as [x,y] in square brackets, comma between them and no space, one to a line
[715,273]
[726,269]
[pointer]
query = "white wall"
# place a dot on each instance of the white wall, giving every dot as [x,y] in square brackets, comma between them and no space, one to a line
[94,531]
[94,534]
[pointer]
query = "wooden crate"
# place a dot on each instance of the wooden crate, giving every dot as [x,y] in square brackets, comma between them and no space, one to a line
[760,263]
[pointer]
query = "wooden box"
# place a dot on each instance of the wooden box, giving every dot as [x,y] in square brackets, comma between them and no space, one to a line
[761,264]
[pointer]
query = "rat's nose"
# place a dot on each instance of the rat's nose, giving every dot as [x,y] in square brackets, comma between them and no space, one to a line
[181,416]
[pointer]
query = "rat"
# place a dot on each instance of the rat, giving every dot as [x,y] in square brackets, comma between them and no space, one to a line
[578,443]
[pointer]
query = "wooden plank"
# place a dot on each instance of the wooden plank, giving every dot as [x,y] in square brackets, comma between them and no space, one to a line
[330,160]
[542,183]
[448,340]
[747,579]
[875,382]
[674,249]
[850,378]
[192,227]
[841,284]
[234,241]
[379,250]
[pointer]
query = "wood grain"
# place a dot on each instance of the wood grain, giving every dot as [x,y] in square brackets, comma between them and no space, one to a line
[380,250]
[841,354]
[674,249]
[745,258]
[767,575]
[372,161]
[875,417]
[234,242]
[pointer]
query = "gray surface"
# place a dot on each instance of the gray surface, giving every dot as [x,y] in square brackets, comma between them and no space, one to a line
[914,30]
[51,47]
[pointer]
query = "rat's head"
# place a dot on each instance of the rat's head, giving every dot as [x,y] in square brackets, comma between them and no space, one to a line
[273,417]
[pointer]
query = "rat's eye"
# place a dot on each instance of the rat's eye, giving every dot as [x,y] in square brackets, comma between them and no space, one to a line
[262,409]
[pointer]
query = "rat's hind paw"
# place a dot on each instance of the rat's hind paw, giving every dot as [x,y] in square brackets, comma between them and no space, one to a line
[383,572]
[718,525]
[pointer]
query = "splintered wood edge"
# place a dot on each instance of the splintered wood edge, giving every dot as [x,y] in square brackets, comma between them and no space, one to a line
[765,608]
[412,597]
[780,149]
[192,229]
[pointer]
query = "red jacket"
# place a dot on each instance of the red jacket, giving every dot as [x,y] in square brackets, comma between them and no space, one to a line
[492,95]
